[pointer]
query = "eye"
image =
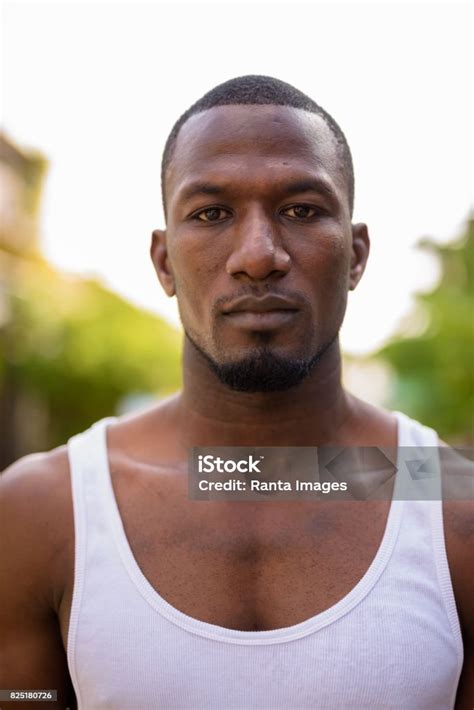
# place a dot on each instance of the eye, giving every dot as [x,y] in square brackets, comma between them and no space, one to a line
[211,214]
[301,211]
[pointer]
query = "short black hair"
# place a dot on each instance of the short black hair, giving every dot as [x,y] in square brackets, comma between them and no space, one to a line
[259,90]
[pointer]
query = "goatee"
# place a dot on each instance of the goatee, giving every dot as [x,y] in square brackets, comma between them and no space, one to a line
[263,370]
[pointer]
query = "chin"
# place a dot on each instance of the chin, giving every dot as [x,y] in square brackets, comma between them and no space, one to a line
[263,368]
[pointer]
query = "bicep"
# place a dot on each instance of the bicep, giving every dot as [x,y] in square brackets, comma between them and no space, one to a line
[32,655]
[33,658]
[465,694]
[458,513]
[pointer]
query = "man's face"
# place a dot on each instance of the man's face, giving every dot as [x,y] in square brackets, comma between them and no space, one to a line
[259,243]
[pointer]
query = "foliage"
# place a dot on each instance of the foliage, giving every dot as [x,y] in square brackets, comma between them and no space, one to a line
[434,373]
[81,349]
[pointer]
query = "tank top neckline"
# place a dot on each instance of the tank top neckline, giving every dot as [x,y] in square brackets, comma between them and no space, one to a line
[236,636]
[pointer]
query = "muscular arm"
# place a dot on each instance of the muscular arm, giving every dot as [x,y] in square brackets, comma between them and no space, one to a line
[35,556]
[458,508]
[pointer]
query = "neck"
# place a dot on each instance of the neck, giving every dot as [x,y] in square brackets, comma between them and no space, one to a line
[310,414]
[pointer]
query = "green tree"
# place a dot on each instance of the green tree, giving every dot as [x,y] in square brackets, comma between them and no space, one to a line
[434,372]
[78,349]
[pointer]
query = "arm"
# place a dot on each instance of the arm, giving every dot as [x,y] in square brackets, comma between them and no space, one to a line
[36,540]
[458,509]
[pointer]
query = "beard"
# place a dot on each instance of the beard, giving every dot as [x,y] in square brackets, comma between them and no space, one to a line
[263,370]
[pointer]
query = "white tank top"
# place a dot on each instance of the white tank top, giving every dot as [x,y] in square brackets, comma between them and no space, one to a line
[392,643]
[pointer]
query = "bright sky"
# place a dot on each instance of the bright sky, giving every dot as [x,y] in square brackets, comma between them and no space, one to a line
[97,87]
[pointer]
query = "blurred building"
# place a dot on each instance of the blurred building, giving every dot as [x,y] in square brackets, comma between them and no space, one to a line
[21,179]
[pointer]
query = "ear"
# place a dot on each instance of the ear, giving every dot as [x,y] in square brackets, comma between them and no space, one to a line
[360,253]
[159,257]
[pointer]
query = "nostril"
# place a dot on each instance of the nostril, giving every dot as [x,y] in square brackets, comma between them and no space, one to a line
[259,258]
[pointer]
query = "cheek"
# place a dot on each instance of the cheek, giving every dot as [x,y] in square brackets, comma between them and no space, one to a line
[338,266]
[328,270]
[196,267]
[329,266]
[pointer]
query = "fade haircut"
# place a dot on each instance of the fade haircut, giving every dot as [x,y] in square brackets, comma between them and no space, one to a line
[258,90]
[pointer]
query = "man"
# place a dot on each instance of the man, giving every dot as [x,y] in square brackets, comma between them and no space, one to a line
[117,583]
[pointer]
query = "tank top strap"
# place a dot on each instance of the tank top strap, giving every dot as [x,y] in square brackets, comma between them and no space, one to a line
[419,476]
[89,475]
[421,486]
[89,470]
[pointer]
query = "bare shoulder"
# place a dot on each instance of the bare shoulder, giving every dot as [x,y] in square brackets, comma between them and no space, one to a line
[36,481]
[36,469]
[36,522]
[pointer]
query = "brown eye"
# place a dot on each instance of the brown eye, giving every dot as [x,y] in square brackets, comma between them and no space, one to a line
[211,214]
[300,211]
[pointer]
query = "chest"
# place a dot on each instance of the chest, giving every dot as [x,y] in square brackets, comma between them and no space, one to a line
[248,566]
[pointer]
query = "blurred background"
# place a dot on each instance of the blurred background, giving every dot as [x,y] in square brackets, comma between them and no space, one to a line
[90,93]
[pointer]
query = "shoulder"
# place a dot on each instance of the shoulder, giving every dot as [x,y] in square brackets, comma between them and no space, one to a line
[35,484]
[36,522]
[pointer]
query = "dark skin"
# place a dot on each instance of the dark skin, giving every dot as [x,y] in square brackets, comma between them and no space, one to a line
[273,218]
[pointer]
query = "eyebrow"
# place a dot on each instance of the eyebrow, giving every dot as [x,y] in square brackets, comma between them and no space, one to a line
[294,187]
[201,188]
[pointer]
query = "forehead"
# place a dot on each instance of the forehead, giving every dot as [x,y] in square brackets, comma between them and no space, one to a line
[236,142]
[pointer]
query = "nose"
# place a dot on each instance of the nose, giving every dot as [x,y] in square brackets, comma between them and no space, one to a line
[258,252]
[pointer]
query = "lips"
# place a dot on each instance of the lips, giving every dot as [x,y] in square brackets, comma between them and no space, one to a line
[261,314]
[266,304]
